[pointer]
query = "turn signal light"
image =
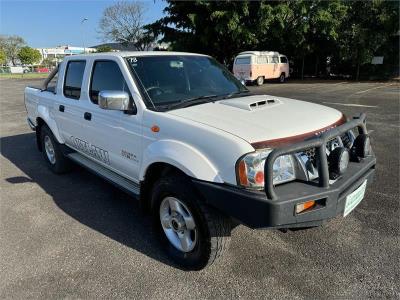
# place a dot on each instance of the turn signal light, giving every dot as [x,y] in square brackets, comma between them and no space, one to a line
[304,206]
[242,174]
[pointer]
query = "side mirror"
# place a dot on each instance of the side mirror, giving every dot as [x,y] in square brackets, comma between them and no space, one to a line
[114,100]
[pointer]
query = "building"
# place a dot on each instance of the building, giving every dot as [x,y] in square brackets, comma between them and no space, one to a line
[58,53]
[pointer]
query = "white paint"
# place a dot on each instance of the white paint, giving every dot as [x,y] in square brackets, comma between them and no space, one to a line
[374,88]
[286,117]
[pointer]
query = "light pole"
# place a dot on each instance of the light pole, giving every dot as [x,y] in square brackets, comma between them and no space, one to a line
[83,33]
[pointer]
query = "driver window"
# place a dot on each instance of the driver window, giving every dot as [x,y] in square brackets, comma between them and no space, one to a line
[106,75]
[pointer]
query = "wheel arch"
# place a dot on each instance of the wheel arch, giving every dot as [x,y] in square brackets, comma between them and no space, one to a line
[44,118]
[182,156]
[163,157]
[154,172]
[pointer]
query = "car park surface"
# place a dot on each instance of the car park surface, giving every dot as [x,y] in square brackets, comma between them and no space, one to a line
[77,236]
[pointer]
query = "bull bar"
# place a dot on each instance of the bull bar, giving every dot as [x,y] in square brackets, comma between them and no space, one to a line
[319,143]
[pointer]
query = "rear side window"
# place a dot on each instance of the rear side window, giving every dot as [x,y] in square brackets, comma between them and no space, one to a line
[262,60]
[73,79]
[243,60]
[283,60]
[106,76]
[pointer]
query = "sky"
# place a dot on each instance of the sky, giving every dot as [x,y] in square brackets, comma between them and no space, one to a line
[54,22]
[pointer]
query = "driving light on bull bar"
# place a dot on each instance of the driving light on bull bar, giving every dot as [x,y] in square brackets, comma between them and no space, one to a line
[250,169]
[361,147]
[338,162]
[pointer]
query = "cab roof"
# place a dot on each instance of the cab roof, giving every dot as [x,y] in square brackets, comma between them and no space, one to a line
[134,53]
[260,53]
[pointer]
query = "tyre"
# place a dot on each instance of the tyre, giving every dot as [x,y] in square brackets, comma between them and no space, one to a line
[193,234]
[51,151]
[282,78]
[260,80]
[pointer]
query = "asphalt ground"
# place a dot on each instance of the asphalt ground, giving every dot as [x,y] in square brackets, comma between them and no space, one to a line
[76,236]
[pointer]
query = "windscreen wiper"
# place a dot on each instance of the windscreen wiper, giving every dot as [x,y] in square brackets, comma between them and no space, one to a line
[192,101]
[231,95]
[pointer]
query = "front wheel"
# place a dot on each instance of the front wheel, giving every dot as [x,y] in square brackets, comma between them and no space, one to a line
[282,78]
[193,234]
[260,80]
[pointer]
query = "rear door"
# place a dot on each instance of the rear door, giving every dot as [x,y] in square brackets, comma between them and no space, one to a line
[68,108]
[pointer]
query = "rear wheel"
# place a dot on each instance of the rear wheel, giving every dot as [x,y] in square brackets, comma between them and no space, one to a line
[193,234]
[260,80]
[52,153]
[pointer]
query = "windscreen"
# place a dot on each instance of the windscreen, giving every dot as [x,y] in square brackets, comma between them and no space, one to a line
[171,79]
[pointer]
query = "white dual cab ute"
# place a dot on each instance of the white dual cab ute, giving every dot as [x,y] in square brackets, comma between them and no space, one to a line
[181,134]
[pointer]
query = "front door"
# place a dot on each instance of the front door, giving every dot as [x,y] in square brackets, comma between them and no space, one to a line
[276,69]
[114,136]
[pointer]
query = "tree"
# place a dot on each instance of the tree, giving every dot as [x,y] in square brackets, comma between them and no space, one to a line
[368,26]
[221,29]
[104,48]
[29,56]
[11,46]
[123,22]
[305,28]
[3,57]
[351,31]
[49,62]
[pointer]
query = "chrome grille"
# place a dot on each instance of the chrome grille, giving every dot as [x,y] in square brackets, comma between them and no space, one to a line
[345,140]
[311,155]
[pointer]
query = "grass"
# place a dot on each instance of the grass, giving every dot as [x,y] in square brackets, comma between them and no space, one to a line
[23,76]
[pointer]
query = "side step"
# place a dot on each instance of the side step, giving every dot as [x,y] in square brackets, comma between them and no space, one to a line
[112,177]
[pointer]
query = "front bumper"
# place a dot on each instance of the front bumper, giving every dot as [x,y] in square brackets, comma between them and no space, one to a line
[255,210]
[276,206]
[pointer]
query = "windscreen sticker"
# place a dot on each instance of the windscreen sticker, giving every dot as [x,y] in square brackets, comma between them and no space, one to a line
[132,61]
[91,150]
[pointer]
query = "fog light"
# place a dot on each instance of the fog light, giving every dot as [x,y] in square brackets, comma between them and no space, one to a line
[338,162]
[361,147]
[304,206]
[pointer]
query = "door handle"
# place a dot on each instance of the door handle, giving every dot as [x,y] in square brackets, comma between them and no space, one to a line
[87,116]
[61,108]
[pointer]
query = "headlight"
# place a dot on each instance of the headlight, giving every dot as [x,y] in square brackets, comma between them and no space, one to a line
[250,169]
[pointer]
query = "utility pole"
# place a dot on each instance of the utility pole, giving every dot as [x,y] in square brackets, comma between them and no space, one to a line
[83,33]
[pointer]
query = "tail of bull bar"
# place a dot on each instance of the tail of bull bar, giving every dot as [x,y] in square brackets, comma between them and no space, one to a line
[319,143]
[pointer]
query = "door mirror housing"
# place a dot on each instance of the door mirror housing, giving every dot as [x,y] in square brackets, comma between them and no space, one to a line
[115,100]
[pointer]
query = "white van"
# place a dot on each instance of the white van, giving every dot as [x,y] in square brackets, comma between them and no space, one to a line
[257,66]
